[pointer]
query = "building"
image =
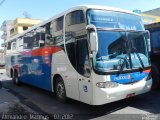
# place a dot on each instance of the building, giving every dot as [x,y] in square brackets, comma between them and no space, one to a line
[151,16]
[6,26]
[149,19]
[11,28]
[22,24]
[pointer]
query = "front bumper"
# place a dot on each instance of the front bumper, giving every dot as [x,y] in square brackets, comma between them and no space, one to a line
[107,95]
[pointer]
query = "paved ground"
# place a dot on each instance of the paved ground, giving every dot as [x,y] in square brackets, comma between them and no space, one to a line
[29,102]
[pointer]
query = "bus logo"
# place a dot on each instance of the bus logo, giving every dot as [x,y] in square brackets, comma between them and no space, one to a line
[122,77]
[85,88]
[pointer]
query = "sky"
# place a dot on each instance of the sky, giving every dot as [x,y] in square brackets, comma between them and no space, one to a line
[45,9]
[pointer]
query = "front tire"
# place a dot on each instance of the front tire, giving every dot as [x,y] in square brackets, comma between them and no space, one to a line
[60,90]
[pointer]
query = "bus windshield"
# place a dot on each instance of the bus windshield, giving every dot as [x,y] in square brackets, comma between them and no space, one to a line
[121,48]
[110,19]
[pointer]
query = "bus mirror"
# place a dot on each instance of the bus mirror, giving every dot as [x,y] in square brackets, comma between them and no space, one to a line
[93,41]
[147,36]
[93,38]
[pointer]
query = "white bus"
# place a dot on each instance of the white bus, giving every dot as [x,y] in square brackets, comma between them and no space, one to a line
[93,54]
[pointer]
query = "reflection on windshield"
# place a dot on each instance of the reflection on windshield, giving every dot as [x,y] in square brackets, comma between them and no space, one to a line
[117,50]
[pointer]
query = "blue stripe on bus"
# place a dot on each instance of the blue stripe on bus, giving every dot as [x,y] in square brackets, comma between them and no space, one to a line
[129,78]
[36,71]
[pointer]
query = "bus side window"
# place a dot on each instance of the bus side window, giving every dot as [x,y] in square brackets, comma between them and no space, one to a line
[13,46]
[19,42]
[28,40]
[76,42]
[57,30]
[48,33]
[9,46]
[39,37]
[54,32]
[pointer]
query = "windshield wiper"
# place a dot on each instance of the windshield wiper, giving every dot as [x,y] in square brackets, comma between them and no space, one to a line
[123,64]
[135,51]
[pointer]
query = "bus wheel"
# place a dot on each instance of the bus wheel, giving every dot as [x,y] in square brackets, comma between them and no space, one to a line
[16,78]
[60,90]
[155,77]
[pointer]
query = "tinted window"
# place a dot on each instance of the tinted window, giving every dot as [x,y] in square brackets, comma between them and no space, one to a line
[71,51]
[39,37]
[9,46]
[59,24]
[54,32]
[76,17]
[28,42]
[83,58]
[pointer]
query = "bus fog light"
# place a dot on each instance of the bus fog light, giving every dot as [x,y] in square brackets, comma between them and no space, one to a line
[101,84]
[107,84]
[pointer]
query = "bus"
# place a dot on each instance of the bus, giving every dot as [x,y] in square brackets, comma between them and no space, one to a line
[92,54]
[154,29]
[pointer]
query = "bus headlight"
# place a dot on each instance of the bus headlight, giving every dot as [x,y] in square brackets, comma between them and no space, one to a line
[107,84]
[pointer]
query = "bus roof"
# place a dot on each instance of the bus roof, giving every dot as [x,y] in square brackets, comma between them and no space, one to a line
[106,8]
[82,7]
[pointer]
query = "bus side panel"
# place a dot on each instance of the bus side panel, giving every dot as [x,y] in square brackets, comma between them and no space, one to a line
[36,70]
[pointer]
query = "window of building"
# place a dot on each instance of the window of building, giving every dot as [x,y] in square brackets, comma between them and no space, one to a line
[25,28]
[12,31]
[15,29]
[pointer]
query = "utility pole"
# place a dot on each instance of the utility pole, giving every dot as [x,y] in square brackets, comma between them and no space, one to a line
[2,2]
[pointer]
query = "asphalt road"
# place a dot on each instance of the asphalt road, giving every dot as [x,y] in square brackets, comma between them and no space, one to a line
[43,102]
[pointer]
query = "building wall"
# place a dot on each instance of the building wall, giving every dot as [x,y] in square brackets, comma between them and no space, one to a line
[149,19]
[21,24]
[5,28]
[155,12]
[11,28]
